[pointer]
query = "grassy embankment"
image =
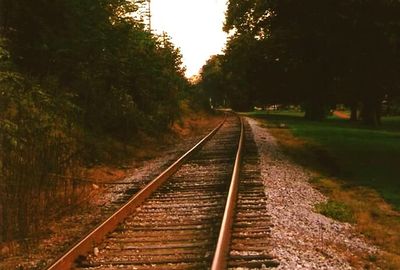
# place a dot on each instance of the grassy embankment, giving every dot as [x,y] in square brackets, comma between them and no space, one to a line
[357,167]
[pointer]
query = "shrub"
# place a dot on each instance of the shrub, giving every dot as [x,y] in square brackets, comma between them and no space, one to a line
[36,146]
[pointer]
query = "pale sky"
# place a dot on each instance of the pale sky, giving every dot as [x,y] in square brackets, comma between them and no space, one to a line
[195,27]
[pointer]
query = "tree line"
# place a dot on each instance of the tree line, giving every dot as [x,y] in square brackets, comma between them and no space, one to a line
[312,53]
[72,71]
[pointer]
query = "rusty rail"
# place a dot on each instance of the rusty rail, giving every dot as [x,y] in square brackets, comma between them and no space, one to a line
[90,241]
[222,250]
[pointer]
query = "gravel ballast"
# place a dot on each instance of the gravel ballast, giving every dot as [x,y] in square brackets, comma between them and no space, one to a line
[302,238]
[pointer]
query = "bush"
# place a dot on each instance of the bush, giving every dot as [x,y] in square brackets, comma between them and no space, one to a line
[76,74]
[36,146]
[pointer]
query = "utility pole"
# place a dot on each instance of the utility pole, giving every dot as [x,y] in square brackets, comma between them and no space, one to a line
[150,15]
[147,14]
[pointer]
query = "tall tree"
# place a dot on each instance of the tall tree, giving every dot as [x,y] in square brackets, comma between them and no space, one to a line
[212,81]
[329,51]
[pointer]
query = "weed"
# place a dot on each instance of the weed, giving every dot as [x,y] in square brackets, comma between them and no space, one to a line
[336,210]
[372,258]
[315,179]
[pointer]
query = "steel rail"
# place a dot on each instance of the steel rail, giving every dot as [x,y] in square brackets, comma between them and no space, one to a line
[222,249]
[89,242]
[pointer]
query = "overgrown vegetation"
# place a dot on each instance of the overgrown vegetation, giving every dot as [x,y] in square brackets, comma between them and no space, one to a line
[355,166]
[38,142]
[74,75]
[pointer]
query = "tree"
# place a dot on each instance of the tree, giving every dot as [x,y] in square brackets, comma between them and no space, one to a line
[212,81]
[327,51]
[77,73]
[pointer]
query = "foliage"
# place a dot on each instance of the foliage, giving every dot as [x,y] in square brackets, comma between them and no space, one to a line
[97,51]
[212,82]
[71,71]
[37,142]
[314,53]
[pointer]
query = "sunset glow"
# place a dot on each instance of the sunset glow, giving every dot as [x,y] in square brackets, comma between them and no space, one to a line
[195,27]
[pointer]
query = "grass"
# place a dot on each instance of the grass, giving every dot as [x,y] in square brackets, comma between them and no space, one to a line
[336,210]
[364,156]
[357,167]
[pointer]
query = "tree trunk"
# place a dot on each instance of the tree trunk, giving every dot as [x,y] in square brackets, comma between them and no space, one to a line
[371,112]
[315,111]
[354,112]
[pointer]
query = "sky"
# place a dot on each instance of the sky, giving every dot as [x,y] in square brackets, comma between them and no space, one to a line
[195,27]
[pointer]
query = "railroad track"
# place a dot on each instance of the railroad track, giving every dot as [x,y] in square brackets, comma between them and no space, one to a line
[251,226]
[198,217]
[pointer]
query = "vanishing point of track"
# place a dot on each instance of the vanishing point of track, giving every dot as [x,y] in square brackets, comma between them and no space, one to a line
[203,212]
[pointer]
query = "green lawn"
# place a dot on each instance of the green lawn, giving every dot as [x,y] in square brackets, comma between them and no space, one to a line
[362,156]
